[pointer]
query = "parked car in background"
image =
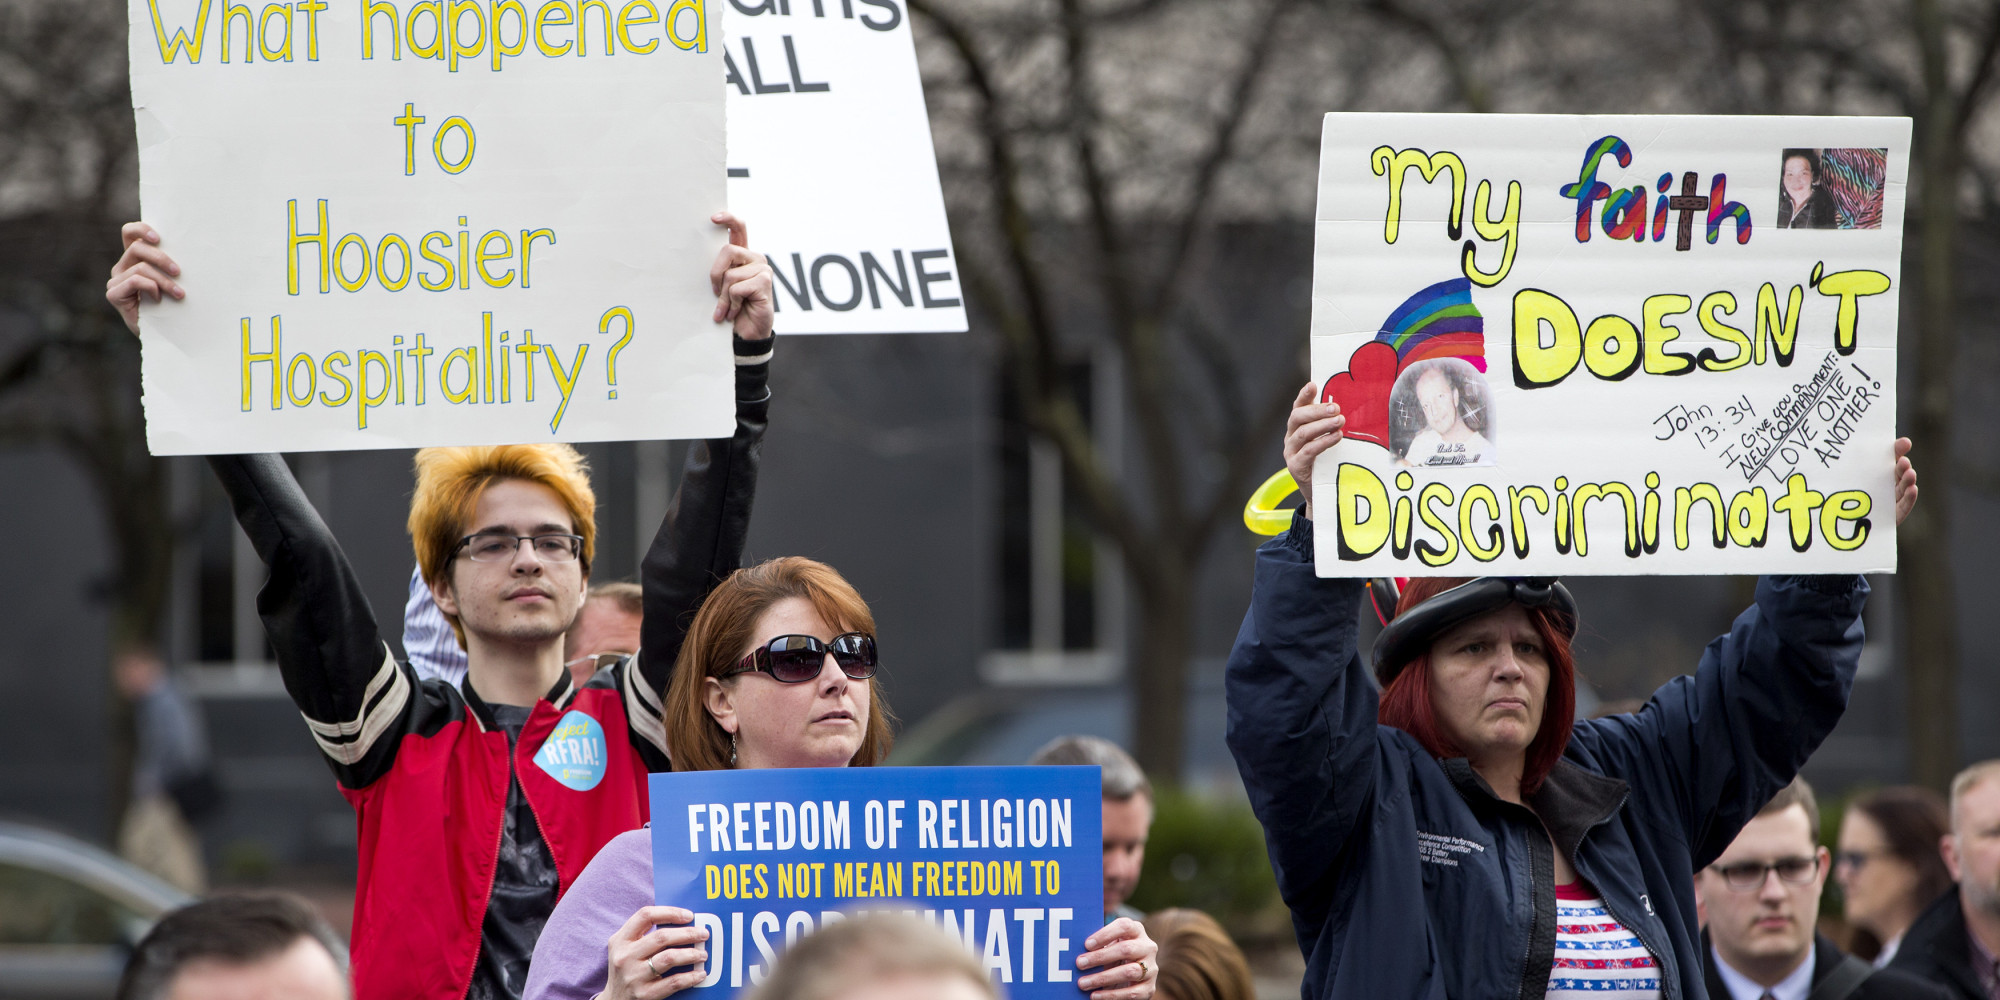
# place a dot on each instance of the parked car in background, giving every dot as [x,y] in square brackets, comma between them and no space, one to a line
[70,913]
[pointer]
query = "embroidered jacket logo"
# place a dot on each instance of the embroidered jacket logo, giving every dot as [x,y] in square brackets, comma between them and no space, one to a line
[1437,849]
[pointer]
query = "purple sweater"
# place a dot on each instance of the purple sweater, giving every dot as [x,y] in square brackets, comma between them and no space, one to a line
[570,958]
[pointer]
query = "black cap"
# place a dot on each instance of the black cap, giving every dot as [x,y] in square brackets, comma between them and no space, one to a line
[1412,630]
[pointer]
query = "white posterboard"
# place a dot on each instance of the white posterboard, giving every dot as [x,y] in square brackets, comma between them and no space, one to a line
[830,162]
[1607,345]
[422,222]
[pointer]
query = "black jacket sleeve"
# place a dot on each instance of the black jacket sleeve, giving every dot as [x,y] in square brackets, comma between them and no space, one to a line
[1719,743]
[357,700]
[1301,716]
[700,542]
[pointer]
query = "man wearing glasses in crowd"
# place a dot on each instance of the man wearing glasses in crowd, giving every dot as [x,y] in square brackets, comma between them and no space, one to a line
[1760,904]
[478,803]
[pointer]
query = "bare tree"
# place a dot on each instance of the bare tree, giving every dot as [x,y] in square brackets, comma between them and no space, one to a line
[1957,60]
[69,371]
[1057,153]
[1107,149]
[1935,62]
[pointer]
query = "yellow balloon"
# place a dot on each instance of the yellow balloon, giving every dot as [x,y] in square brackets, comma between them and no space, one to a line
[1262,514]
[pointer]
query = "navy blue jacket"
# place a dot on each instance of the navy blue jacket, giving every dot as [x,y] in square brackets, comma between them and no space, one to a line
[1408,878]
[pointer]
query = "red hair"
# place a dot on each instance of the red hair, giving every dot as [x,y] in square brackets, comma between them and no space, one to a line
[1406,702]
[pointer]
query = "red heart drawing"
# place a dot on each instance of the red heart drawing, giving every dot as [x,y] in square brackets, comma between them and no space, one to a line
[1363,391]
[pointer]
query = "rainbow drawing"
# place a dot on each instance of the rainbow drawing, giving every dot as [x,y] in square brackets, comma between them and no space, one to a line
[1437,322]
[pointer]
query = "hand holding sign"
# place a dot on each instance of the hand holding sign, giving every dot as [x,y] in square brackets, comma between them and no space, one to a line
[656,940]
[741,281]
[1311,429]
[1126,954]
[143,272]
[1906,481]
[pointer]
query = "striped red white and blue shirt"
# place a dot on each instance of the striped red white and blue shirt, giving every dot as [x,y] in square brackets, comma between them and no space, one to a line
[1596,956]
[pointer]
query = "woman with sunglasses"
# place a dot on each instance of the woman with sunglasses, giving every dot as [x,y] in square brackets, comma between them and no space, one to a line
[777,670]
[1461,834]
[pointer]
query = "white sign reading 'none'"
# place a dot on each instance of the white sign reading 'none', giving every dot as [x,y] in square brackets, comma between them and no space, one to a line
[830,160]
[1607,345]
[421,222]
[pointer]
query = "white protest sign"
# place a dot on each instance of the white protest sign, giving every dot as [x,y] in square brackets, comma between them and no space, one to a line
[419,222]
[830,161]
[1607,345]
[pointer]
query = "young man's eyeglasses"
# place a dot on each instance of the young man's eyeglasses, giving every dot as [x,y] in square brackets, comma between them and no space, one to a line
[1747,875]
[496,547]
[796,659]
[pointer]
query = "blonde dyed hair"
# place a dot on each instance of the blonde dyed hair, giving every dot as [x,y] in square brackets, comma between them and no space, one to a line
[867,951]
[722,630]
[450,482]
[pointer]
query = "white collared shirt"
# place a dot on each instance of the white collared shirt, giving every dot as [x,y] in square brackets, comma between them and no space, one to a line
[1888,954]
[1792,987]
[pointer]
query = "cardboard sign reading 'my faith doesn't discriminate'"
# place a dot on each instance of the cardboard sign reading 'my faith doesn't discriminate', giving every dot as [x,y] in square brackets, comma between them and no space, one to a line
[1607,345]
[415,222]
[1008,859]
[830,154]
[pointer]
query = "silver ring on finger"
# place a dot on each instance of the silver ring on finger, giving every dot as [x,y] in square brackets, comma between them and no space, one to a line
[654,969]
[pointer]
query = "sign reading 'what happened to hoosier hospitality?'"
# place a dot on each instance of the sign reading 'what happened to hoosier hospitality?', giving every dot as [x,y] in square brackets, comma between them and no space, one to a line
[1607,345]
[416,222]
[1007,859]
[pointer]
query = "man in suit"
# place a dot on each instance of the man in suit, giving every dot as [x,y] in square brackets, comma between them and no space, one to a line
[1955,941]
[1760,900]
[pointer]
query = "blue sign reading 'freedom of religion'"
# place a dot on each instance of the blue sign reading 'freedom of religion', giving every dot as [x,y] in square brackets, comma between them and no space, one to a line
[1009,859]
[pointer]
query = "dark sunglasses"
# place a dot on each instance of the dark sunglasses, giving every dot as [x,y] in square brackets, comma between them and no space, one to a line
[796,659]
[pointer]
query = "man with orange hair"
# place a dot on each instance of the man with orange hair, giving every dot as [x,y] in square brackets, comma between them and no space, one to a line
[478,803]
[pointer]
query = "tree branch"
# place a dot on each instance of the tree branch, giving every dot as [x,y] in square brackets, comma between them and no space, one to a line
[1241,469]
[1865,68]
[1140,336]
[1470,89]
[1015,228]
[1241,92]
[1083,116]
[23,367]
[1982,76]
[1224,375]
